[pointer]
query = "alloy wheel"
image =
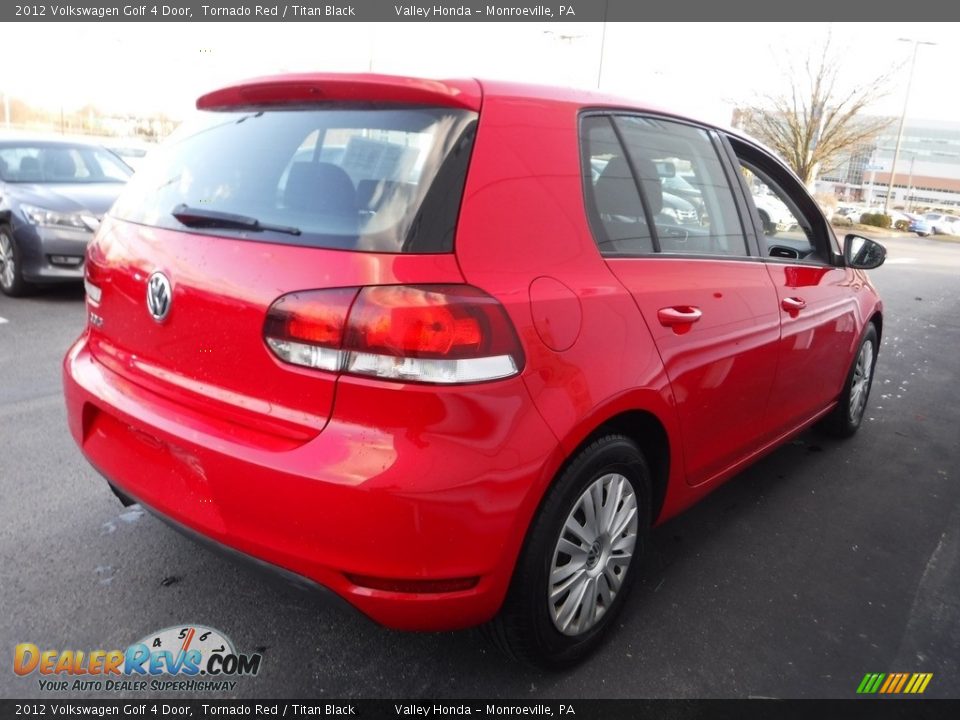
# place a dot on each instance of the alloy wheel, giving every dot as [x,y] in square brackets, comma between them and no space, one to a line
[7,261]
[592,554]
[861,381]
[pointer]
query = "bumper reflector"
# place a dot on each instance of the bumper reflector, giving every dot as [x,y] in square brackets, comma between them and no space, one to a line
[447,585]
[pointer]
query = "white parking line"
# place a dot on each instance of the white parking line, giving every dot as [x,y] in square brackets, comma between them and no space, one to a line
[3,320]
[903,261]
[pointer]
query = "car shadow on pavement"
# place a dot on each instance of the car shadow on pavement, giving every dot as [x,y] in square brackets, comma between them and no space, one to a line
[61,293]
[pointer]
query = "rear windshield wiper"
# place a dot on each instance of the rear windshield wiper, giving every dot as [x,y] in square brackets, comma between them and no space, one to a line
[203,218]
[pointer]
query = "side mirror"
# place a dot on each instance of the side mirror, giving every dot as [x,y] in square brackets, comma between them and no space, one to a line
[863,253]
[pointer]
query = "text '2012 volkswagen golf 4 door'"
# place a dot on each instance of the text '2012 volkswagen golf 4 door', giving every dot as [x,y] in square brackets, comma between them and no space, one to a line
[438,348]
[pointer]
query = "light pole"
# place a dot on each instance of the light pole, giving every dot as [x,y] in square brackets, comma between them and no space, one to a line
[913,159]
[903,117]
[568,41]
[603,43]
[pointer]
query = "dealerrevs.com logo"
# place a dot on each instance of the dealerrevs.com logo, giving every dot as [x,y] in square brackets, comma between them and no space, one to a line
[182,658]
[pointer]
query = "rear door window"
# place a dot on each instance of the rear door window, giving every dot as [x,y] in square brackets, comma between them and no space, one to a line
[657,186]
[356,178]
[682,177]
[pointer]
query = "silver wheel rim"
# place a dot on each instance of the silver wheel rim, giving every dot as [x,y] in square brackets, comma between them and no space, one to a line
[592,554]
[861,381]
[7,263]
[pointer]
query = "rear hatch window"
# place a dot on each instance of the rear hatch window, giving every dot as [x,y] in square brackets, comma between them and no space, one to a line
[351,177]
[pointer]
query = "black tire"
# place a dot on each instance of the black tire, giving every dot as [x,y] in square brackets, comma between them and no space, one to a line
[525,629]
[845,419]
[15,285]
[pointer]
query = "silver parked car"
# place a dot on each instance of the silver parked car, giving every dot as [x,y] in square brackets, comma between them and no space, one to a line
[943,224]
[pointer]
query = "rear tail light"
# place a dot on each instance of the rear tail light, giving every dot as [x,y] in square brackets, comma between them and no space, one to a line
[307,328]
[415,333]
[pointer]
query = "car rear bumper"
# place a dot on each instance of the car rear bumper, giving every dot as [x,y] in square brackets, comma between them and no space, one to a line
[417,484]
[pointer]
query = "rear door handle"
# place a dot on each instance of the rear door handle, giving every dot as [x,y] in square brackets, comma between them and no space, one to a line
[679,317]
[793,305]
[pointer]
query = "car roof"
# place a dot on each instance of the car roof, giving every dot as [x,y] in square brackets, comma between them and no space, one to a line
[18,137]
[586,98]
[595,99]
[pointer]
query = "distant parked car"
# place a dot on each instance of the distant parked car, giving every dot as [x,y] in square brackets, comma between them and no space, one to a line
[846,215]
[132,156]
[942,224]
[679,186]
[53,194]
[919,225]
[681,210]
[773,214]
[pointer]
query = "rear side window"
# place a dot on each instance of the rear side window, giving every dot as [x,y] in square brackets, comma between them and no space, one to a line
[614,204]
[355,178]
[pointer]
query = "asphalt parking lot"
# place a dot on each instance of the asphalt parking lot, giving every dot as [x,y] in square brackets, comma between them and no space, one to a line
[823,562]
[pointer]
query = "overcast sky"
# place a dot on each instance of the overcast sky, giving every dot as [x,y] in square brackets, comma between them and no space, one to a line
[699,68]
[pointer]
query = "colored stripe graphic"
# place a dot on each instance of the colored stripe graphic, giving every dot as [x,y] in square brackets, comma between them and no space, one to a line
[903,681]
[870,683]
[918,683]
[894,683]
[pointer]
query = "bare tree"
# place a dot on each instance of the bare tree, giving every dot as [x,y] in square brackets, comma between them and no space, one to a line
[816,123]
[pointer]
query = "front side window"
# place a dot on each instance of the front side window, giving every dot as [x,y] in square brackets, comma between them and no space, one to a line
[791,224]
[785,233]
[347,177]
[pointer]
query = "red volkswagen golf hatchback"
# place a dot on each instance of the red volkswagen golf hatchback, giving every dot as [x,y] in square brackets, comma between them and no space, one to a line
[451,349]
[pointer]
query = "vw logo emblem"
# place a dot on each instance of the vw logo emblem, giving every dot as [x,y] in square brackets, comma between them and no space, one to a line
[159,296]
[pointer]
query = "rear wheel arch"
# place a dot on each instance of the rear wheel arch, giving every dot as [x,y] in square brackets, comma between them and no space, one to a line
[620,428]
[650,435]
[642,427]
[645,429]
[877,321]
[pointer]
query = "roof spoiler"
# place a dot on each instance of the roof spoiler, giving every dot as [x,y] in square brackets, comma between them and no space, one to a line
[314,88]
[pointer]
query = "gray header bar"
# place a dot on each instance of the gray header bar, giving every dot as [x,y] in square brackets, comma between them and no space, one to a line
[477,11]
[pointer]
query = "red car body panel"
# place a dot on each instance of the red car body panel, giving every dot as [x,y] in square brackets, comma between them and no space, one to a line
[334,476]
[721,379]
[817,341]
